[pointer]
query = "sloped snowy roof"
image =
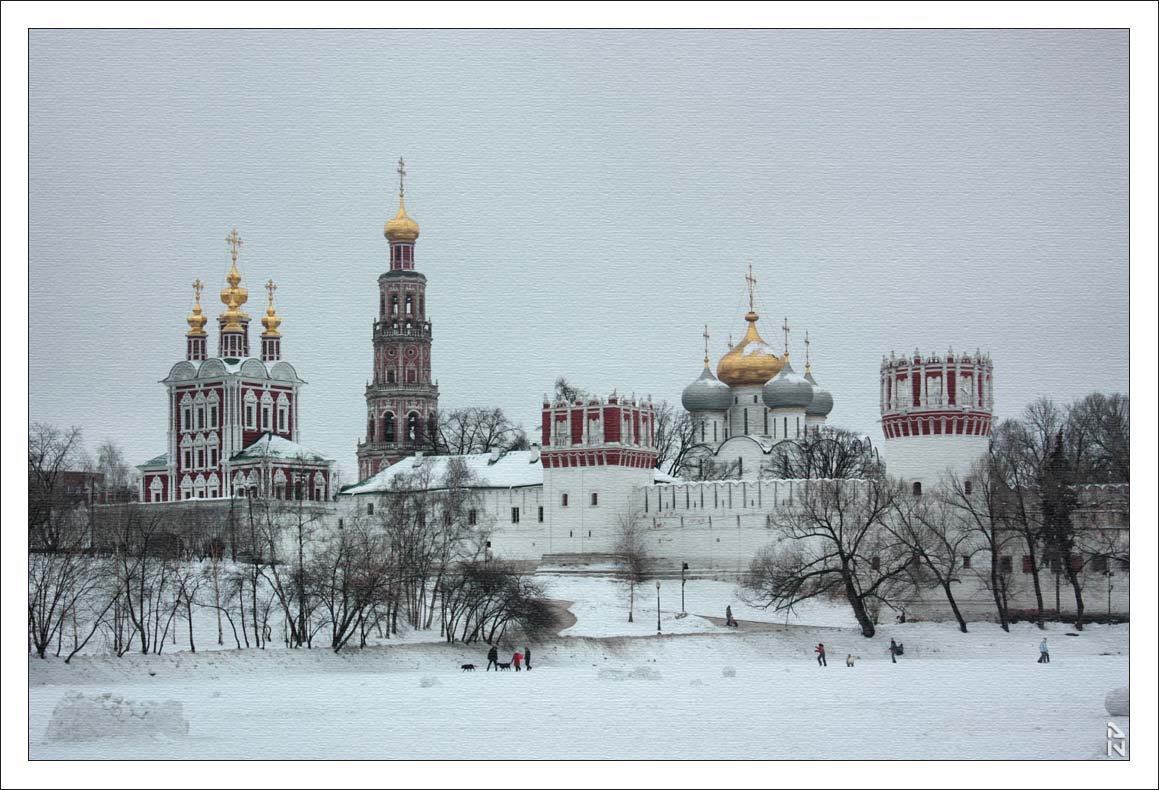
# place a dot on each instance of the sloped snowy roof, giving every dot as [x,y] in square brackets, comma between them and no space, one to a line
[514,469]
[271,446]
[153,463]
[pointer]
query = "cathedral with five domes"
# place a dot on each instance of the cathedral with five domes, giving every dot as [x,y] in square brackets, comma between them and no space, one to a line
[755,401]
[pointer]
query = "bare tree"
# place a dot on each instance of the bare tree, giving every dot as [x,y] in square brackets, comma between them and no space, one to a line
[675,436]
[1017,456]
[926,527]
[828,454]
[833,540]
[975,501]
[632,555]
[1098,439]
[54,507]
[478,430]
[481,600]
[567,391]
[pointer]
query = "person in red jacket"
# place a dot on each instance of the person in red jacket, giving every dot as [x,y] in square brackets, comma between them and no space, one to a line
[515,659]
[820,651]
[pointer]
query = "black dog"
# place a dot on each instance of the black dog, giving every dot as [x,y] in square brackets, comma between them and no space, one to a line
[503,666]
[468,667]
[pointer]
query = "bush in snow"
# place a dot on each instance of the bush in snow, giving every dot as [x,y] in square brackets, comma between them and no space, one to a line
[729,672]
[1118,701]
[428,682]
[78,717]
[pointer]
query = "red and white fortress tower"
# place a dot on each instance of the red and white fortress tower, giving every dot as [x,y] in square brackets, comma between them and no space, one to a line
[936,413]
[233,418]
[596,452]
[401,399]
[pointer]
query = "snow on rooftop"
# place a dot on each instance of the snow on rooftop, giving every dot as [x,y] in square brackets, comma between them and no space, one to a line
[271,446]
[514,469]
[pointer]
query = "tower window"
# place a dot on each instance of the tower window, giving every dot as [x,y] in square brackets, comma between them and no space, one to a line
[472,517]
[514,515]
[563,502]
[917,489]
[388,427]
[969,487]
[595,499]
[541,514]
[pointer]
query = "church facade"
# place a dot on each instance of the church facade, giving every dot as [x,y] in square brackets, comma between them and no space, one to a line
[233,418]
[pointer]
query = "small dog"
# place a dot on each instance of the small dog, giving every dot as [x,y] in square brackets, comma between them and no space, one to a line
[503,667]
[468,667]
[849,659]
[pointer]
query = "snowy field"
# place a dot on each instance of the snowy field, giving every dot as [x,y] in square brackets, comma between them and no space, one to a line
[606,689]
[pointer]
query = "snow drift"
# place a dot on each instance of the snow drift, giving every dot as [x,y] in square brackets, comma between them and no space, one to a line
[79,717]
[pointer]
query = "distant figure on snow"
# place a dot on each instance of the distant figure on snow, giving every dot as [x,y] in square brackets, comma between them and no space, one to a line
[901,617]
[493,658]
[849,659]
[515,659]
[527,658]
[893,651]
[820,651]
[1043,652]
[728,616]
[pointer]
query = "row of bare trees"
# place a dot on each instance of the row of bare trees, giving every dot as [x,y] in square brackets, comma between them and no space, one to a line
[419,561]
[878,543]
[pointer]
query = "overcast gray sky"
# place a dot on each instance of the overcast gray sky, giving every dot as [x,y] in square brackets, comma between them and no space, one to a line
[588,201]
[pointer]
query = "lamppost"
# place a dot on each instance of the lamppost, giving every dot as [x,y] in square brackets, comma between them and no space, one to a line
[657,606]
[683,568]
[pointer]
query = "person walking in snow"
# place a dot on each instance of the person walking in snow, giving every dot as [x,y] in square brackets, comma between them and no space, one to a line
[493,658]
[893,651]
[1043,652]
[527,658]
[820,651]
[515,659]
[728,616]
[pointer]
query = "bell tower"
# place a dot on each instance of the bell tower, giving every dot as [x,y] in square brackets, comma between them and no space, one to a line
[401,398]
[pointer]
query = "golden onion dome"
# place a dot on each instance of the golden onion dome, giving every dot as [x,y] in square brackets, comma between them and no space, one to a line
[752,361]
[402,227]
[233,298]
[196,320]
[271,321]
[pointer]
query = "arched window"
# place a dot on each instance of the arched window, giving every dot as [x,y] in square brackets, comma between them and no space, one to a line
[394,305]
[917,489]
[388,427]
[409,305]
[969,487]
[414,427]
[370,437]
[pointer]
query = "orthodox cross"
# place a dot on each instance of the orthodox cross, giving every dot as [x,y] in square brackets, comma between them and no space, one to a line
[785,327]
[706,345]
[806,350]
[752,281]
[401,174]
[234,241]
[270,288]
[197,286]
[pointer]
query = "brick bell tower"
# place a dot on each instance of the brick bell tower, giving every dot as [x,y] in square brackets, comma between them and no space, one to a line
[401,400]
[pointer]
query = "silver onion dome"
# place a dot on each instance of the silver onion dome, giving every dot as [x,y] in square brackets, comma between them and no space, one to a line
[787,390]
[822,402]
[707,393]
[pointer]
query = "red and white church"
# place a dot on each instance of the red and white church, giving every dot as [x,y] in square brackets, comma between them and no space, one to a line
[233,418]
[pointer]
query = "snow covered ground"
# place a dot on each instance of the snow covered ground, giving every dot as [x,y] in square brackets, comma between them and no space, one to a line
[953,695]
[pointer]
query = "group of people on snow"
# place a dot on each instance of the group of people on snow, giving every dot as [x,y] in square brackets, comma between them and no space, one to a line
[517,659]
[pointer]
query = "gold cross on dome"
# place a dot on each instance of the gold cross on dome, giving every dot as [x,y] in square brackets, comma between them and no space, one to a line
[752,281]
[785,327]
[401,174]
[806,346]
[197,287]
[270,288]
[234,241]
[706,344]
